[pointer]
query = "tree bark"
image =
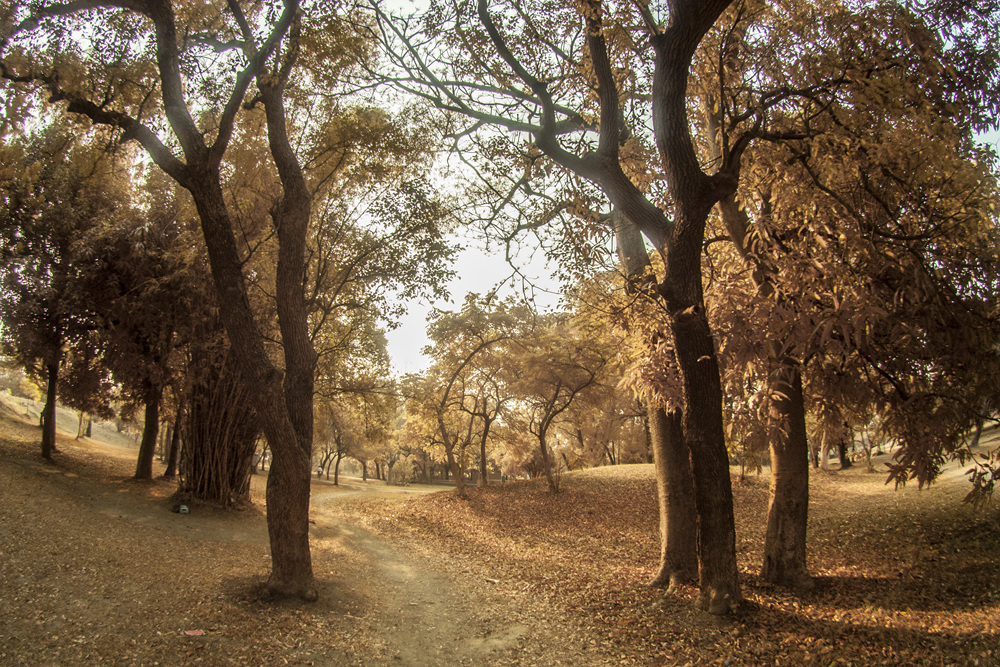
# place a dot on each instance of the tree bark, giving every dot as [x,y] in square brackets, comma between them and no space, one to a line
[49,410]
[845,461]
[824,451]
[788,509]
[173,455]
[703,430]
[483,461]
[547,463]
[675,491]
[150,432]
[288,483]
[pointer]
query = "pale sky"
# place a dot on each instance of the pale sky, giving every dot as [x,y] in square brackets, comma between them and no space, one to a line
[476,271]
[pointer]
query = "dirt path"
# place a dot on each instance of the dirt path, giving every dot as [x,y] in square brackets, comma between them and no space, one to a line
[94,566]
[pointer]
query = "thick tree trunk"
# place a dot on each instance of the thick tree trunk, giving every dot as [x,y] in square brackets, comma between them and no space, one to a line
[788,510]
[336,470]
[675,490]
[483,461]
[150,432]
[287,494]
[173,454]
[824,450]
[703,430]
[845,461]
[449,448]
[48,420]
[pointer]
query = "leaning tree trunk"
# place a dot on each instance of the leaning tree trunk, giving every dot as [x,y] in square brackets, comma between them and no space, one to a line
[675,490]
[288,482]
[543,449]
[150,432]
[49,411]
[788,510]
[824,450]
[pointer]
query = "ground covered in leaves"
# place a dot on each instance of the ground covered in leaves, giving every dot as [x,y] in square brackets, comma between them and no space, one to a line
[94,568]
[902,577]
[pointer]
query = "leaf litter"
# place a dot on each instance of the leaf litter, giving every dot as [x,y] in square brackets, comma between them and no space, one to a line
[908,577]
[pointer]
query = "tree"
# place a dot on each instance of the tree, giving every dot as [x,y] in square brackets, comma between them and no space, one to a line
[458,341]
[149,291]
[560,363]
[56,192]
[131,91]
[863,90]
[554,110]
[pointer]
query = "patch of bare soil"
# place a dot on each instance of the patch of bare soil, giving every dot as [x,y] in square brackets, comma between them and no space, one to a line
[95,568]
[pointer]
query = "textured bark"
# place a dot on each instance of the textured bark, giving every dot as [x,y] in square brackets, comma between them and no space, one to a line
[48,420]
[220,433]
[845,460]
[703,430]
[174,450]
[484,468]
[150,432]
[675,490]
[824,451]
[543,449]
[788,509]
[287,494]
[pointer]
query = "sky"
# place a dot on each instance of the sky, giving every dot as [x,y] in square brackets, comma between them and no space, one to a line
[476,271]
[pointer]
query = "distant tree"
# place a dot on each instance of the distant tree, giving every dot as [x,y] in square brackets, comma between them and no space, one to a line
[458,341]
[557,365]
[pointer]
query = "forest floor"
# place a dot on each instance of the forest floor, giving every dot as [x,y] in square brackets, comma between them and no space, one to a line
[95,568]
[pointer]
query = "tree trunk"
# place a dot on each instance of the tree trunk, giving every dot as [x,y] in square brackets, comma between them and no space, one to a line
[703,430]
[364,471]
[675,490]
[79,426]
[280,401]
[788,510]
[547,463]
[845,461]
[483,461]
[449,447]
[48,419]
[175,445]
[336,470]
[824,450]
[150,433]
[649,456]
